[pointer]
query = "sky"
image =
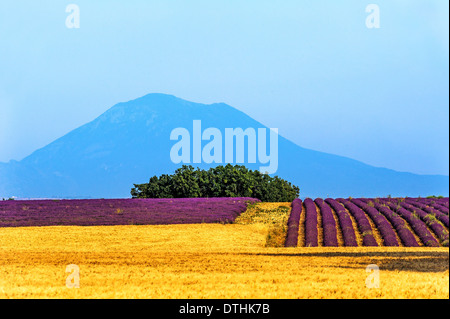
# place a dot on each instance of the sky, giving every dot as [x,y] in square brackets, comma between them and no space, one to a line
[312,69]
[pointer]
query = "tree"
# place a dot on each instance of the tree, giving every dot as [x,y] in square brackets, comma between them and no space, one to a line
[220,181]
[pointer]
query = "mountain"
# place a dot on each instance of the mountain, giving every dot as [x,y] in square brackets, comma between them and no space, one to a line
[130,142]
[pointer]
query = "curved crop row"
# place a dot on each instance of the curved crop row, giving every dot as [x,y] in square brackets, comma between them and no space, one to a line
[345,222]
[328,224]
[311,234]
[293,224]
[430,220]
[442,208]
[363,223]
[383,225]
[440,203]
[439,215]
[406,236]
[416,224]
[445,204]
[408,222]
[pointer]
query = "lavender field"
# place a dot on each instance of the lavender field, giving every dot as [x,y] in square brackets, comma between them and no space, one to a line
[364,222]
[97,212]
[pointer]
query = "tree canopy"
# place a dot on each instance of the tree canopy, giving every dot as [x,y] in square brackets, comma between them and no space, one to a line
[219,181]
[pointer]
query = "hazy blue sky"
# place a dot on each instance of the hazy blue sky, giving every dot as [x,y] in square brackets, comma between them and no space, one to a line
[310,68]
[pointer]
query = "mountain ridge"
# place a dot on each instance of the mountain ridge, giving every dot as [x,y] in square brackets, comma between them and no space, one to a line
[129,143]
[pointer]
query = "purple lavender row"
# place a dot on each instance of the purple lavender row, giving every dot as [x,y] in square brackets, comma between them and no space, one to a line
[293,224]
[431,210]
[429,200]
[328,224]
[311,234]
[437,228]
[428,215]
[444,202]
[345,222]
[440,207]
[363,223]
[383,225]
[416,224]
[99,212]
[400,225]
[440,204]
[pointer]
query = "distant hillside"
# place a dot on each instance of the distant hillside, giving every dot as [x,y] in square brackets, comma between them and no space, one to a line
[130,142]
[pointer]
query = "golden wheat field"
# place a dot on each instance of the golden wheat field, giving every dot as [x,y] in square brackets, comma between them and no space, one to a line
[238,260]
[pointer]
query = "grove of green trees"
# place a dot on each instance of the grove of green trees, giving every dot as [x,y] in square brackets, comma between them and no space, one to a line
[219,181]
